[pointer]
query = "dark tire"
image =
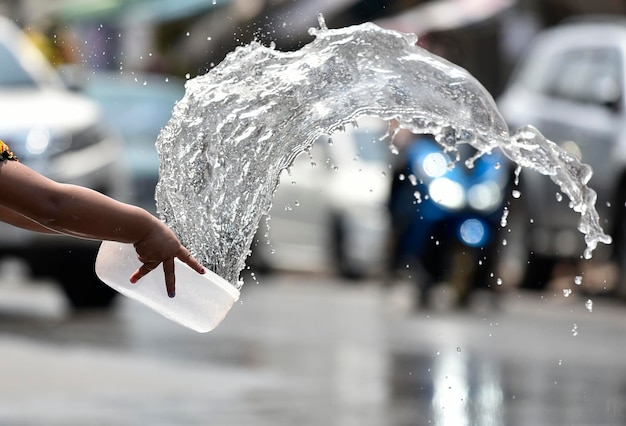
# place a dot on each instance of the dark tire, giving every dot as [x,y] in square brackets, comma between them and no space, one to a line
[538,272]
[74,271]
[343,266]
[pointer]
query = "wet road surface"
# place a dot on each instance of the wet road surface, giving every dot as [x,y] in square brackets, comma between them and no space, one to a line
[312,350]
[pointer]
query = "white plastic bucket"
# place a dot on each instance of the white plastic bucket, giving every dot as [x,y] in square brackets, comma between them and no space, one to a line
[202,300]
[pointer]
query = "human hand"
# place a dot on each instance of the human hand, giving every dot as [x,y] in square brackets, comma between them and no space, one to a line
[160,245]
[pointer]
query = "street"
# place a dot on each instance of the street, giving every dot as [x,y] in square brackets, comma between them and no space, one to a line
[313,350]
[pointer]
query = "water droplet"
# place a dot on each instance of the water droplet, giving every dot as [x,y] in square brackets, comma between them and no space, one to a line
[559,196]
[567,292]
[504,218]
[589,305]
[499,281]
[574,330]
[516,194]
[578,280]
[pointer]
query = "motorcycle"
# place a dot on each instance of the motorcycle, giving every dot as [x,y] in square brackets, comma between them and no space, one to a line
[445,216]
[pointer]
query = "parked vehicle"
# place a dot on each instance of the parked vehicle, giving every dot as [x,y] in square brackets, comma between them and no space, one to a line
[329,210]
[446,216]
[570,85]
[60,134]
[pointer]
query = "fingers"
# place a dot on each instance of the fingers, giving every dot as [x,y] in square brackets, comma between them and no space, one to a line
[170,277]
[168,270]
[186,257]
[142,271]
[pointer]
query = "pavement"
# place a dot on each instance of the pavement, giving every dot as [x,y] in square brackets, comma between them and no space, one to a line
[314,350]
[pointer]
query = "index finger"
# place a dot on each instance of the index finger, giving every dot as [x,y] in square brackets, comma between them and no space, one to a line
[185,256]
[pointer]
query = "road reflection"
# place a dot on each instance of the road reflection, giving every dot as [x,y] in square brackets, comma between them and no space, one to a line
[452,388]
[449,388]
[312,350]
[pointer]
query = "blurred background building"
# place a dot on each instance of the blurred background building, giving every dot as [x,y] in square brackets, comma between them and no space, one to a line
[190,36]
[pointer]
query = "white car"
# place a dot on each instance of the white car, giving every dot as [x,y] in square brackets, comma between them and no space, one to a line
[329,211]
[570,85]
[60,134]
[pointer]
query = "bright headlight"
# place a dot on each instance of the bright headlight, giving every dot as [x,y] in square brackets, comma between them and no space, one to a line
[447,193]
[435,164]
[473,232]
[37,140]
[484,196]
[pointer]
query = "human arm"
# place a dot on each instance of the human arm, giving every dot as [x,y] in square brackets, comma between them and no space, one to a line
[74,210]
[13,218]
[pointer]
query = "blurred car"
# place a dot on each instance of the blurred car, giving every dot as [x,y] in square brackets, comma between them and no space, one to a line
[329,211]
[136,106]
[60,134]
[570,85]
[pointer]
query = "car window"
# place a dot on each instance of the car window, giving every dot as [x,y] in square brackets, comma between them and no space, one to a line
[585,76]
[12,73]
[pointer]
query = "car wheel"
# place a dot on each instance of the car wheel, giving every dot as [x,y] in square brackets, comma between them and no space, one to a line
[343,266]
[74,270]
[538,272]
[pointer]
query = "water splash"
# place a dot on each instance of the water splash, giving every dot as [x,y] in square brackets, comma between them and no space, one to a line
[247,119]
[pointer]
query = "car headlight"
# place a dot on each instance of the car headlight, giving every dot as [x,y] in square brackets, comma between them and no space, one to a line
[435,164]
[40,140]
[37,140]
[484,196]
[473,232]
[62,142]
[446,192]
